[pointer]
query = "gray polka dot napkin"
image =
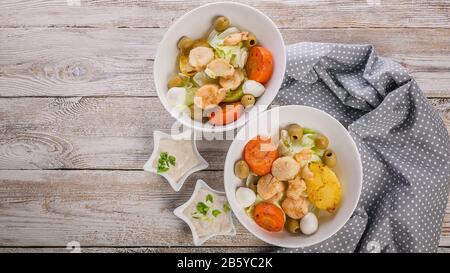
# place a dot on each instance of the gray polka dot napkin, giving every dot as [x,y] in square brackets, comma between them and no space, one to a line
[403,143]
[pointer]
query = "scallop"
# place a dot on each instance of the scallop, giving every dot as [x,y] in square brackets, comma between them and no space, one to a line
[285,168]
[253,88]
[245,197]
[200,56]
[309,224]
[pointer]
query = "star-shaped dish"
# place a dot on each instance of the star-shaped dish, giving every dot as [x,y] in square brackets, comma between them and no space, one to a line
[189,220]
[186,135]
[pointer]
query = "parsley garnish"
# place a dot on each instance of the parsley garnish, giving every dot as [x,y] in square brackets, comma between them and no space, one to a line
[226,207]
[216,212]
[164,162]
[202,208]
[209,198]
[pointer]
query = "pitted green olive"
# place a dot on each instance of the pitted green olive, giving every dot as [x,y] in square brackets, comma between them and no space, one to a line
[251,41]
[221,23]
[253,185]
[241,169]
[185,43]
[329,157]
[292,225]
[248,100]
[295,132]
[321,141]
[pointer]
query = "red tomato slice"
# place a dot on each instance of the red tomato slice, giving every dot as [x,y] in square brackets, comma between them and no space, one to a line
[259,64]
[226,114]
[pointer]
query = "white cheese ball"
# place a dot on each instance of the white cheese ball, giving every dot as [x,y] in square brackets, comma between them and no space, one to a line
[309,224]
[176,96]
[245,197]
[253,88]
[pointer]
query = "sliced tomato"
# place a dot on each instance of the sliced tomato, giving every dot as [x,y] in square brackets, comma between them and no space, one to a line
[269,216]
[259,64]
[227,113]
[259,153]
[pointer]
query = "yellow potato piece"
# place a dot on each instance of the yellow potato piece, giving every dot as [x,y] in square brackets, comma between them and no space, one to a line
[324,189]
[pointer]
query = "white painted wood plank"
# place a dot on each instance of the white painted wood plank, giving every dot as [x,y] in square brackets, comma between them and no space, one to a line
[96,133]
[286,14]
[105,208]
[119,62]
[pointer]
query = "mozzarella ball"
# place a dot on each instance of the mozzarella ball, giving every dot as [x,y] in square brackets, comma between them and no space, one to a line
[309,224]
[176,96]
[245,197]
[253,88]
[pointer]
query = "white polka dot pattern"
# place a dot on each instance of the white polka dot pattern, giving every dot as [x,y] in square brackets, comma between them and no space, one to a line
[403,143]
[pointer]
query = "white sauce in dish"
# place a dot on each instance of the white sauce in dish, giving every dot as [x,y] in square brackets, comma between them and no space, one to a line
[184,154]
[207,223]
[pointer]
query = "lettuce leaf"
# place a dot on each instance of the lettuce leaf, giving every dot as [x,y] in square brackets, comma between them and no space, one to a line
[235,55]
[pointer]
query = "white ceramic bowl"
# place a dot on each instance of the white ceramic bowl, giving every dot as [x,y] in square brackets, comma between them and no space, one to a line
[348,169]
[196,24]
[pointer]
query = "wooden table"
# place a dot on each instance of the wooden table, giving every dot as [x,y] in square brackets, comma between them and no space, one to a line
[78,108]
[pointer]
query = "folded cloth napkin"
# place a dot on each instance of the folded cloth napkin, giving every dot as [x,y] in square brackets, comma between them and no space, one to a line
[403,143]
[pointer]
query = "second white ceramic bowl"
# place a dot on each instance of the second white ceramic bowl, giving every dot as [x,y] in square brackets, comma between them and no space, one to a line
[196,24]
[348,169]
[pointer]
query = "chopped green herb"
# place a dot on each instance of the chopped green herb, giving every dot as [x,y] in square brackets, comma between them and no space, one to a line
[308,131]
[164,162]
[202,208]
[209,198]
[172,160]
[226,207]
[195,215]
[216,212]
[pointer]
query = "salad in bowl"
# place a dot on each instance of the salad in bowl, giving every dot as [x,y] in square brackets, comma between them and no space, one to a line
[218,65]
[293,176]
[221,75]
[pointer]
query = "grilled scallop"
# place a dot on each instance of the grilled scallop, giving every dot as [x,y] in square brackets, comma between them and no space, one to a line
[270,188]
[208,96]
[285,168]
[295,208]
[232,82]
[200,56]
[220,68]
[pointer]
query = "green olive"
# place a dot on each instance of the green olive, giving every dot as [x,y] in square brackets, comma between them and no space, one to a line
[175,81]
[185,43]
[248,100]
[251,41]
[329,157]
[241,169]
[295,132]
[321,141]
[292,225]
[196,112]
[253,185]
[221,23]
[200,42]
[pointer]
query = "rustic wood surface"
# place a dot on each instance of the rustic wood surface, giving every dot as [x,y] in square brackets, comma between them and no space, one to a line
[78,108]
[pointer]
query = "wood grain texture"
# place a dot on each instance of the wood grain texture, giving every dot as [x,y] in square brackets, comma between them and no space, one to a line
[99,208]
[286,14]
[119,62]
[96,133]
[154,250]
[77,99]
[203,249]
[105,208]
